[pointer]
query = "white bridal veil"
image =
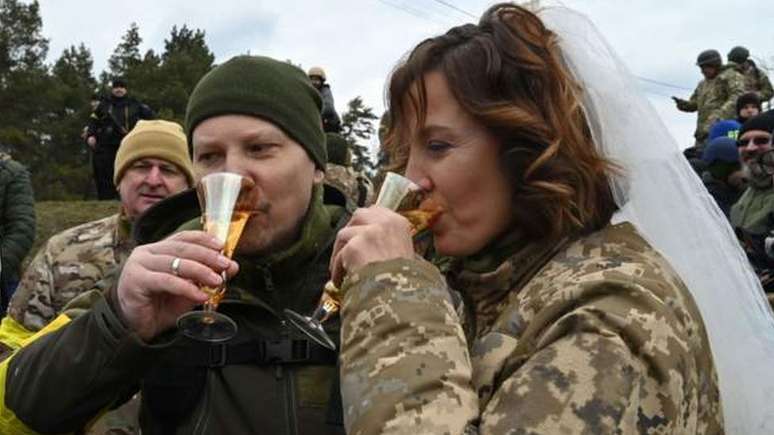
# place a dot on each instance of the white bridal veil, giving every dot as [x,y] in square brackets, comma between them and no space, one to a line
[668,204]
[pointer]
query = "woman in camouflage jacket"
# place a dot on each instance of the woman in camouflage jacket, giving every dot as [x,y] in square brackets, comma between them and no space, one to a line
[570,324]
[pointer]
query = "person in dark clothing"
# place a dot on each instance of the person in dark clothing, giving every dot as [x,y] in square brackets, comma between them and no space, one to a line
[113,118]
[331,120]
[17,224]
[723,174]
[748,106]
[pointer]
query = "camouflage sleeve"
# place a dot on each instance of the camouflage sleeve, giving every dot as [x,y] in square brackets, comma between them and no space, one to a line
[404,358]
[692,104]
[766,91]
[31,304]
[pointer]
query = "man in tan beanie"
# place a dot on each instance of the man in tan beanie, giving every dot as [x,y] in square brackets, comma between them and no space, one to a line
[151,164]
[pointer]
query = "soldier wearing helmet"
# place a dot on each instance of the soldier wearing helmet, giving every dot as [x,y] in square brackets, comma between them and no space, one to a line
[755,80]
[331,120]
[715,97]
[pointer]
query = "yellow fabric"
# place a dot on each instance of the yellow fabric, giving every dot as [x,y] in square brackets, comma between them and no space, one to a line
[16,336]
[12,333]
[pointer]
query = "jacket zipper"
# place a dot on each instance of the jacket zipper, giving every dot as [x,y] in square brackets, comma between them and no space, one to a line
[202,420]
[290,390]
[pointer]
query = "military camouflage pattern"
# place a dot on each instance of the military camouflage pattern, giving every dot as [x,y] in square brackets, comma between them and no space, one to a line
[356,186]
[715,99]
[602,338]
[68,266]
[70,263]
[756,80]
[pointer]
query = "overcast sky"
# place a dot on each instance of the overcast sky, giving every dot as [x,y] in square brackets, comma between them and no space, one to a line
[358,42]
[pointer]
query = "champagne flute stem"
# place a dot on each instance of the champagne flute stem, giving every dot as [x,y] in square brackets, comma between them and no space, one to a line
[319,313]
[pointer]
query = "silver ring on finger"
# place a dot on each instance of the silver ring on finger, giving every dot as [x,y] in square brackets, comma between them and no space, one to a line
[175,266]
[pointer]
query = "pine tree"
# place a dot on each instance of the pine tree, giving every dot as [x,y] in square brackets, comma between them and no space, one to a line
[185,60]
[67,172]
[126,55]
[357,127]
[25,86]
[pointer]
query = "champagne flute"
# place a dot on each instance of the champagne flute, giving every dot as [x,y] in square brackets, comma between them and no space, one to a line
[226,200]
[397,193]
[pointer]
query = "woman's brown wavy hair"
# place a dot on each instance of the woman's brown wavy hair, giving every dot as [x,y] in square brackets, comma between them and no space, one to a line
[507,73]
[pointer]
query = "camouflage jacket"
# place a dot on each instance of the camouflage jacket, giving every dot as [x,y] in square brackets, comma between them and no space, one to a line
[356,186]
[71,262]
[715,99]
[756,80]
[601,338]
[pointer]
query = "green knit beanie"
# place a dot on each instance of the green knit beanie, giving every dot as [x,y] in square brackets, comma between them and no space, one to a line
[266,88]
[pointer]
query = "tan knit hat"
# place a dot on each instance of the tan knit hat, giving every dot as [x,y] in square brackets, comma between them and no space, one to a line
[159,139]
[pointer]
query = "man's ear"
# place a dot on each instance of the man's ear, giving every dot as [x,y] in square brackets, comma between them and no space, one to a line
[319,176]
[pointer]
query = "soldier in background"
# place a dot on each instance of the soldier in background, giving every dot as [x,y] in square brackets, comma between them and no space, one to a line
[113,118]
[152,163]
[340,174]
[17,223]
[330,118]
[755,80]
[715,96]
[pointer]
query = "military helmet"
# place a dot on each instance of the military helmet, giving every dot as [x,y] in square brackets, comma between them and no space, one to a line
[738,54]
[709,58]
[316,71]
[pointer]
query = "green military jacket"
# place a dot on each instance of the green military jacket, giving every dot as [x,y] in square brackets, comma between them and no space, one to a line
[70,263]
[17,216]
[715,99]
[596,336]
[754,212]
[268,379]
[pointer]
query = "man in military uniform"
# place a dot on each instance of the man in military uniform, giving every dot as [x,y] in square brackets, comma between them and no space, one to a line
[755,80]
[340,174]
[152,163]
[752,217]
[715,96]
[260,118]
[17,223]
[113,118]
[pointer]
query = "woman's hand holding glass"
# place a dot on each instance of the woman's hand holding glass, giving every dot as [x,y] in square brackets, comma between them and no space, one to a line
[373,234]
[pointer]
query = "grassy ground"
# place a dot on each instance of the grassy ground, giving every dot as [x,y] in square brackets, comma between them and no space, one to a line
[55,216]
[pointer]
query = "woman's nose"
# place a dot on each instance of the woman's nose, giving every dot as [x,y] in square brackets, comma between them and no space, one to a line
[416,173]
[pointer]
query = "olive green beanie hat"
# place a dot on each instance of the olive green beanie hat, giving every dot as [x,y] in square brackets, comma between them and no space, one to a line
[265,88]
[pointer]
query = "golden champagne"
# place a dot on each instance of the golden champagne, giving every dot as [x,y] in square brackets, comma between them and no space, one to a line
[397,193]
[420,220]
[227,200]
[233,233]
